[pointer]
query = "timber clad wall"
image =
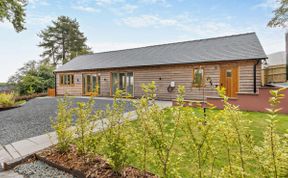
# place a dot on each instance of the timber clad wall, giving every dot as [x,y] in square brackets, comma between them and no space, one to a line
[180,74]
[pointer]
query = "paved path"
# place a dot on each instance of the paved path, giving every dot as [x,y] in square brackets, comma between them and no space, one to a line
[33,118]
[28,146]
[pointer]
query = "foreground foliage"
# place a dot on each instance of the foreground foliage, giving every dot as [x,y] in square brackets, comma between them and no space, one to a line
[7,99]
[180,141]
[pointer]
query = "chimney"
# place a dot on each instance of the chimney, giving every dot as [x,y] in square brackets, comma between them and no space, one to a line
[286,43]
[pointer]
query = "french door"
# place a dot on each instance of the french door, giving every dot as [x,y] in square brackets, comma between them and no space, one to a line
[91,84]
[122,81]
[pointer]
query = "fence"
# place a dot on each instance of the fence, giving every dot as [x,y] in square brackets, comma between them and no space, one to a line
[275,74]
[51,91]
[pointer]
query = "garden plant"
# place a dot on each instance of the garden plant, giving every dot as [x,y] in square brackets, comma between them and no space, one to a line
[177,141]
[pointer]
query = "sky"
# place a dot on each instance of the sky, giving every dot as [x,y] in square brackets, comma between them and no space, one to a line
[120,24]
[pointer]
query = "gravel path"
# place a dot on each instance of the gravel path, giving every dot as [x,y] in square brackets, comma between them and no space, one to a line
[39,169]
[33,118]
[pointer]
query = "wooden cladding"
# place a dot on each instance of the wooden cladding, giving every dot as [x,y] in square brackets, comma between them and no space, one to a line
[164,75]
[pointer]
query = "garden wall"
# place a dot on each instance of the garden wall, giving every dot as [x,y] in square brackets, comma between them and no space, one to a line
[253,102]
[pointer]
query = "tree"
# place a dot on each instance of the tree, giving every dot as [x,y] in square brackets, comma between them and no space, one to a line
[63,41]
[280,18]
[33,76]
[14,12]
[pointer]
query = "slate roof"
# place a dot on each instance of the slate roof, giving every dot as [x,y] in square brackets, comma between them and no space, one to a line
[227,48]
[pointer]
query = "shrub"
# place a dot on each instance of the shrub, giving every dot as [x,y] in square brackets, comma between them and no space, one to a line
[235,137]
[140,140]
[7,99]
[162,134]
[86,141]
[115,138]
[62,124]
[273,154]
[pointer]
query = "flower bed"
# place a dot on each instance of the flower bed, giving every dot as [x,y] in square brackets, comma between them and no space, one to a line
[85,166]
[7,101]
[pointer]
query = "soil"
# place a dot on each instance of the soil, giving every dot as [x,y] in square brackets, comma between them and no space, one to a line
[81,166]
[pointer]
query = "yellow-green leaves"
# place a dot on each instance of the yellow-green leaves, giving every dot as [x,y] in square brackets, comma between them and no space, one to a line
[62,124]
[7,99]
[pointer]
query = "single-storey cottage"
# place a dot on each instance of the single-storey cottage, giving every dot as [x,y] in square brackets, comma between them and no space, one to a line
[233,62]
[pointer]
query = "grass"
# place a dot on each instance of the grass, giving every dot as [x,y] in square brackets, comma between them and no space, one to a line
[258,126]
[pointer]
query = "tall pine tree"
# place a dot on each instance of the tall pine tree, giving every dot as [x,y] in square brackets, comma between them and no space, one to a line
[63,41]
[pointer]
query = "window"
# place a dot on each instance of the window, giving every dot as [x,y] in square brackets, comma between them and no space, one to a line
[198,77]
[229,73]
[66,79]
[123,81]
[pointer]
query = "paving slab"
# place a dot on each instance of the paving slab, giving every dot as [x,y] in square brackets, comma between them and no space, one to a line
[12,151]
[25,147]
[4,156]
[45,140]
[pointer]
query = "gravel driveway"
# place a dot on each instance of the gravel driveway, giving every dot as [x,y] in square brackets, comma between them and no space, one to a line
[33,118]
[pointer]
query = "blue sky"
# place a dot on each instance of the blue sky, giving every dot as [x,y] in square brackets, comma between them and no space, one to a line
[120,24]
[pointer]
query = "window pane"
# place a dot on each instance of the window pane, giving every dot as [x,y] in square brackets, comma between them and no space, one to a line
[84,84]
[115,82]
[229,73]
[198,77]
[122,82]
[65,79]
[130,83]
[61,80]
[88,83]
[72,79]
[94,89]
[98,84]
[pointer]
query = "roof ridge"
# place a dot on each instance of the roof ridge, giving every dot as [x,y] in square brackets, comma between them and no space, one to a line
[171,43]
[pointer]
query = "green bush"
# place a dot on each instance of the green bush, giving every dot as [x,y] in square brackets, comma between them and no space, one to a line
[86,120]
[115,137]
[62,124]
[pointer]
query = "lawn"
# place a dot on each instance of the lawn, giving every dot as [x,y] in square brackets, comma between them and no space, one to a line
[258,125]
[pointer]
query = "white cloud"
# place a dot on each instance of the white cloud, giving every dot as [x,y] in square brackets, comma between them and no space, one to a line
[108,2]
[270,4]
[40,20]
[153,2]
[7,25]
[184,23]
[147,21]
[128,8]
[85,9]
[34,3]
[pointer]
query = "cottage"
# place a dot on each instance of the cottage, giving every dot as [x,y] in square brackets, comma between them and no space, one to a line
[233,62]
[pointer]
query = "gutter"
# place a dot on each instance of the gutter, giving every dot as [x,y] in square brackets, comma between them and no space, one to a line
[286,51]
[55,83]
[255,73]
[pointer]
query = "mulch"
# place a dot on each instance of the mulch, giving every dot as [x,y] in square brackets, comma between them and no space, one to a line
[91,167]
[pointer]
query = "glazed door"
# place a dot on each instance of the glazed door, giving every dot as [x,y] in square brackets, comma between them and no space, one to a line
[229,80]
[91,84]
